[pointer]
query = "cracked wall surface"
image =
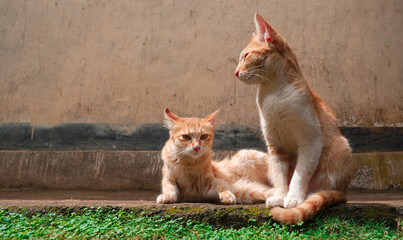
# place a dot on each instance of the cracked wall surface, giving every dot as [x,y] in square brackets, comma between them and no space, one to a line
[125,61]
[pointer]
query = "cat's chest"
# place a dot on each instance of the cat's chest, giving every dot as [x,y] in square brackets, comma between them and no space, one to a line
[280,114]
[193,184]
[278,103]
[190,179]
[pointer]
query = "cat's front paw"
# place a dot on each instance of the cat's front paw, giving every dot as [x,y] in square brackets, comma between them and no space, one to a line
[227,197]
[167,198]
[274,201]
[291,201]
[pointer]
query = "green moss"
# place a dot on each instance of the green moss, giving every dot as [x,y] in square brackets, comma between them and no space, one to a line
[225,216]
[184,210]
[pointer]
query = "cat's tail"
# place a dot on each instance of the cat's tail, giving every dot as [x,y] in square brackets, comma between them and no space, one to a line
[248,192]
[315,203]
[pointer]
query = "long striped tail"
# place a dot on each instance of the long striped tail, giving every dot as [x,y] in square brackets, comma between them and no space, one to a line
[315,203]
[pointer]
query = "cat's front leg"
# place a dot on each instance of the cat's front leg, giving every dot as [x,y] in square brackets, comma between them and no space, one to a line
[277,172]
[307,162]
[170,192]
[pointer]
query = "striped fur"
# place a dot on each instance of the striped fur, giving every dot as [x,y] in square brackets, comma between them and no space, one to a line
[190,175]
[308,152]
[248,192]
[315,203]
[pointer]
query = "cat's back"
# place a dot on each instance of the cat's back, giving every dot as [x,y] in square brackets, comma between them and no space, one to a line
[326,116]
[246,164]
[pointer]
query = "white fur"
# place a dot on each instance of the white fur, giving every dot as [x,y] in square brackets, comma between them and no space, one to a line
[289,122]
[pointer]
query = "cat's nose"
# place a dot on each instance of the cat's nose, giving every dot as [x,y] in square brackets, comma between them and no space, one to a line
[237,73]
[197,148]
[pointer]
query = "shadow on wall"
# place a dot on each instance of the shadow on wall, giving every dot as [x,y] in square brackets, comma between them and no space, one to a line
[84,136]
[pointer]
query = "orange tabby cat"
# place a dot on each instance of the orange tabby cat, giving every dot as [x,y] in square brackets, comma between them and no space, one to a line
[190,175]
[300,130]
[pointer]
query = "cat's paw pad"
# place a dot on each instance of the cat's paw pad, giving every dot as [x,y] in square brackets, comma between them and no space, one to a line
[166,198]
[292,201]
[274,201]
[227,197]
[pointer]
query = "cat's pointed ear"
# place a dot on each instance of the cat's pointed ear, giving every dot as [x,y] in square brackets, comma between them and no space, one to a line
[264,29]
[211,118]
[170,118]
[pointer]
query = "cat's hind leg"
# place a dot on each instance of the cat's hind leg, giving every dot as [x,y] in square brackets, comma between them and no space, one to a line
[223,189]
[335,170]
[248,192]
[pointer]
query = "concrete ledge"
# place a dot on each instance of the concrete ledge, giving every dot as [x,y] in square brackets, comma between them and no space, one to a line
[141,170]
[92,170]
[233,216]
[362,206]
[378,170]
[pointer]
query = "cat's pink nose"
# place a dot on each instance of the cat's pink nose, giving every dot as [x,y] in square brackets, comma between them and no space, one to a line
[197,148]
[237,73]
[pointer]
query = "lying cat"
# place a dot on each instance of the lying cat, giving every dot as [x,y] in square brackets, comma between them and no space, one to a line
[300,130]
[190,175]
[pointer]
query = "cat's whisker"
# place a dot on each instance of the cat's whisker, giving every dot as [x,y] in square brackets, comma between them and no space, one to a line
[254,67]
[262,77]
[178,154]
[267,79]
[260,69]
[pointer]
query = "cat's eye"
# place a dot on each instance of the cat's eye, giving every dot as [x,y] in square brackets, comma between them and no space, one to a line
[186,137]
[204,137]
[244,57]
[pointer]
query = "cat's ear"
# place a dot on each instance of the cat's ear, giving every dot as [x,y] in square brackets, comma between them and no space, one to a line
[170,118]
[211,118]
[264,29]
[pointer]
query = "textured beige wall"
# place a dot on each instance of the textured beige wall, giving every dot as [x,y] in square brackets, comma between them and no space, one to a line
[125,61]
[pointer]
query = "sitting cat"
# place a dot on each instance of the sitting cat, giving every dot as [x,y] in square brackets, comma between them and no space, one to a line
[190,175]
[300,130]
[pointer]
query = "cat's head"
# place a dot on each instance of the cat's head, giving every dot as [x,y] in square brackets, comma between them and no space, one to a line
[266,54]
[191,137]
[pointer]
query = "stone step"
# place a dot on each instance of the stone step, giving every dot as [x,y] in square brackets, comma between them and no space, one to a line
[141,170]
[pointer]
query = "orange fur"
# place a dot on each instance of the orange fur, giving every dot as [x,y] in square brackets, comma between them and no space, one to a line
[300,130]
[309,208]
[189,174]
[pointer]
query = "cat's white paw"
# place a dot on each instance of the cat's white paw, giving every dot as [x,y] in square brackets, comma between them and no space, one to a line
[274,201]
[227,197]
[292,201]
[167,198]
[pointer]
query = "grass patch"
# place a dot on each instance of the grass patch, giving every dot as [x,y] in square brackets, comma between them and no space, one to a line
[112,223]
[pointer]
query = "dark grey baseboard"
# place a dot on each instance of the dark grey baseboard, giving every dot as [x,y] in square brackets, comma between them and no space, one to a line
[89,136]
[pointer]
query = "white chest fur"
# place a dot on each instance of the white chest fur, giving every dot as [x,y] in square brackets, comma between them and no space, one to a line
[287,119]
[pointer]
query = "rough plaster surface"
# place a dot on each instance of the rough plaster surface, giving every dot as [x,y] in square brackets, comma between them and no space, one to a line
[125,61]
